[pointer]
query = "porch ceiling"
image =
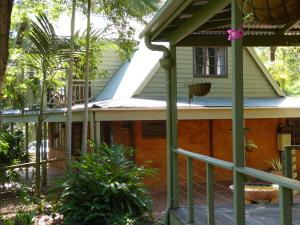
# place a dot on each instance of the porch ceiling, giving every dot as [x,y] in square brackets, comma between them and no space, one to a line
[205,22]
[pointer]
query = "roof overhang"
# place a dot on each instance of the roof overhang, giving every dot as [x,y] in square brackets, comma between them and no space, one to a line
[153,109]
[205,22]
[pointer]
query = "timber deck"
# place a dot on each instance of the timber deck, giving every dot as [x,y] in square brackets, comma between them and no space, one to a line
[258,214]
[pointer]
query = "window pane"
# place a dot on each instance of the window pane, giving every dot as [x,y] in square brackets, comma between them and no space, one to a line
[198,61]
[221,61]
[211,70]
[209,61]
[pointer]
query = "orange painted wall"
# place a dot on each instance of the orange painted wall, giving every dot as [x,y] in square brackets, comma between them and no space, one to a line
[154,150]
[194,136]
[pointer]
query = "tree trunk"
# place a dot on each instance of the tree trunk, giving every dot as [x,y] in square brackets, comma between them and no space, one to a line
[70,90]
[86,81]
[5,17]
[39,134]
[44,155]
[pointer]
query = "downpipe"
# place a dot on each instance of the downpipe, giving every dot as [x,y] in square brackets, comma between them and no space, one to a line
[165,63]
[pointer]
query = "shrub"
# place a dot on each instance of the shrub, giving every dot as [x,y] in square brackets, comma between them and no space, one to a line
[21,218]
[104,184]
[12,149]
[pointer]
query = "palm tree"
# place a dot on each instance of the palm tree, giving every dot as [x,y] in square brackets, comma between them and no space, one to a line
[118,13]
[86,80]
[46,53]
[70,89]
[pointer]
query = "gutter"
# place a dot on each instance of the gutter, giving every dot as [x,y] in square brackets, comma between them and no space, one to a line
[162,16]
[165,62]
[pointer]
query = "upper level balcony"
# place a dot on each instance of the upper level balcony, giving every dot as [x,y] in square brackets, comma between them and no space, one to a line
[58,98]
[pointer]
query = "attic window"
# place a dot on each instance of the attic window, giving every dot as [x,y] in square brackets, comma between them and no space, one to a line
[210,62]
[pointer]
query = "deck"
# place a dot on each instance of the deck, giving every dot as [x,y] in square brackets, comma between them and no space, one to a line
[258,214]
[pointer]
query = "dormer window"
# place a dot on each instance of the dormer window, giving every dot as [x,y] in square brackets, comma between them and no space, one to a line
[210,62]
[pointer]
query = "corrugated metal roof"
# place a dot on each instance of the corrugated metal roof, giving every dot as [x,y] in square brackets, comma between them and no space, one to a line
[131,75]
[196,103]
[174,15]
[289,102]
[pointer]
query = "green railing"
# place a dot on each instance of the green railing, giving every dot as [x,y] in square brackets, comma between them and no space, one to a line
[286,184]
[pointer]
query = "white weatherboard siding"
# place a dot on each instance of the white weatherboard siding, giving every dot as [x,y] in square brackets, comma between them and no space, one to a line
[256,84]
[111,62]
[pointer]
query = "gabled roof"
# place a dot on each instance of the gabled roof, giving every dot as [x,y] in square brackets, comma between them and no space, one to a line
[205,22]
[265,71]
[132,74]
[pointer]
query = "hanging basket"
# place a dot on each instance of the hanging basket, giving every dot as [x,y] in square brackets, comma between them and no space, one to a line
[199,89]
[271,12]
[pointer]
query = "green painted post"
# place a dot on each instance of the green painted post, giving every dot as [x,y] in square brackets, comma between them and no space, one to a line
[288,170]
[210,194]
[238,117]
[165,63]
[285,206]
[287,163]
[190,189]
[174,122]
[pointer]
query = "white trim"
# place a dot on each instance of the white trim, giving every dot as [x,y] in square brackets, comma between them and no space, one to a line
[121,114]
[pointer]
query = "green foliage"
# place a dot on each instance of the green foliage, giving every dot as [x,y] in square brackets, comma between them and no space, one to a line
[11,148]
[104,184]
[21,218]
[275,164]
[12,93]
[285,68]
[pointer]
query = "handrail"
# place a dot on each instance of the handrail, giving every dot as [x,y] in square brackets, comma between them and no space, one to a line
[30,164]
[269,177]
[286,184]
[207,159]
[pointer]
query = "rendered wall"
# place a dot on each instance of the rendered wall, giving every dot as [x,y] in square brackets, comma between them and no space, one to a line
[194,136]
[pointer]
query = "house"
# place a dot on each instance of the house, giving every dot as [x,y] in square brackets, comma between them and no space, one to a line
[128,107]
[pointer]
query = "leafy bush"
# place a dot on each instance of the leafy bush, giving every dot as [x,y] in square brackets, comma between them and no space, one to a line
[12,152]
[104,184]
[21,218]
[12,149]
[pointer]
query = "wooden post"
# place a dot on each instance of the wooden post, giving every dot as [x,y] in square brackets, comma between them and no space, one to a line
[26,147]
[98,132]
[190,190]
[174,126]
[238,116]
[210,194]
[44,155]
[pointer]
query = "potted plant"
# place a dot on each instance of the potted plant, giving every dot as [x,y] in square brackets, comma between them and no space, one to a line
[276,166]
[250,146]
[270,12]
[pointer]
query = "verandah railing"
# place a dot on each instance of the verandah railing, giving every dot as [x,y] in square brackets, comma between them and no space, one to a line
[58,98]
[32,165]
[286,183]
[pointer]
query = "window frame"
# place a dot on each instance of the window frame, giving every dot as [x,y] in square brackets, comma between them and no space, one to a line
[195,75]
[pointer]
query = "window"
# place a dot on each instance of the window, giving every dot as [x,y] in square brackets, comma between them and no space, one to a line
[155,128]
[210,62]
